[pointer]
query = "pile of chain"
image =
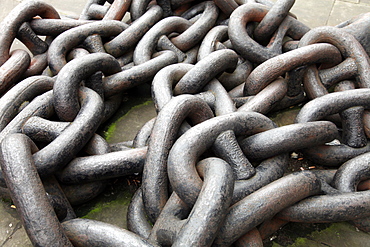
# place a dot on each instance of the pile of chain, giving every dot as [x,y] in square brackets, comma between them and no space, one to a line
[214,166]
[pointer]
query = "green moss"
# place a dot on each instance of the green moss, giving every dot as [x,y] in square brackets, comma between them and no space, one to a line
[110,130]
[334,228]
[341,234]
[274,244]
[285,117]
[99,207]
[96,210]
[7,200]
[111,208]
[300,242]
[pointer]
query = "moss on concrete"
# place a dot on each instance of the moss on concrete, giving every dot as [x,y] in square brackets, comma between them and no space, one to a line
[276,245]
[129,120]
[285,117]
[110,131]
[113,212]
[340,234]
[111,206]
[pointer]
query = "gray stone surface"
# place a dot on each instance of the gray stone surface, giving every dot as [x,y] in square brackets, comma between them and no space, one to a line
[6,6]
[350,1]
[129,124]
[313,13]
[12,232]
[338,235]
[343,11]
[365,2]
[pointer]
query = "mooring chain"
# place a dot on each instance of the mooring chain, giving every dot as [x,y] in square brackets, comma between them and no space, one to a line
[214,165]
[15,64]
[190,33]
[249,48]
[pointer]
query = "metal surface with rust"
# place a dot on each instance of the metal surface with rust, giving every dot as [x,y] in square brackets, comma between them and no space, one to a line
[28,193]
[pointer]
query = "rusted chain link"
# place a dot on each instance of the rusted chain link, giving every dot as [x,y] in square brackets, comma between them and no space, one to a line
[214,164]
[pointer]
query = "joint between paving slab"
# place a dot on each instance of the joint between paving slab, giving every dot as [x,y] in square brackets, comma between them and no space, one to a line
[360,2]
[15,229]
[350,1]
[331,11]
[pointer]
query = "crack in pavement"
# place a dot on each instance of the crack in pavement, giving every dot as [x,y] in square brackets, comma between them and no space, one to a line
[15,229]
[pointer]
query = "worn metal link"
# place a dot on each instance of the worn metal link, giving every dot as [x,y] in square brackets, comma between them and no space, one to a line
[127,39]
[248,47]
[66,86]
[70,39]
[13,69]
[168,121]
[14,20]
[27,192]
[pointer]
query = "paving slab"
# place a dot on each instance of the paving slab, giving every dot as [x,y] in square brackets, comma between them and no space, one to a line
[12,232]
[350,1]
[365,2]
[110,206]
[340,234]
[140,113]
[6,6]
[343,11]
[313,13]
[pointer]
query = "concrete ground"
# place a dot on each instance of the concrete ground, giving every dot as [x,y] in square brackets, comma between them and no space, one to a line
[313,13]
